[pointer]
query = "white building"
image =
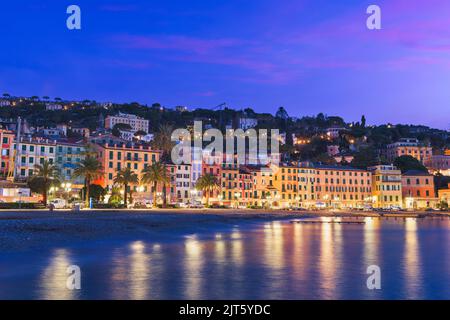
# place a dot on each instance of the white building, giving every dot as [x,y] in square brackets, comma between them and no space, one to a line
[53,107]
[127,135]
[136,123]
[4,103]
[183,183]
[32,152]
[247,123]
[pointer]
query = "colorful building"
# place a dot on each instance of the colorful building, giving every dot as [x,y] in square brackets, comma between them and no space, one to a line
[386,186]
[444,195]
[7,153]
[409,147]
[68,156]
[342,187]
[418,190]
[183,183]
[285,181]
[116,157]
[31,152]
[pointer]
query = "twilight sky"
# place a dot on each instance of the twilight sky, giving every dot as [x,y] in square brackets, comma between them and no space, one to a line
[309,56]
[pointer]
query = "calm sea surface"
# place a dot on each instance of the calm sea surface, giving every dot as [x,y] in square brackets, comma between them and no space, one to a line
[263,260]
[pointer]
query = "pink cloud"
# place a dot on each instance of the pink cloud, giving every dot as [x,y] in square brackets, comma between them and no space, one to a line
[182,43]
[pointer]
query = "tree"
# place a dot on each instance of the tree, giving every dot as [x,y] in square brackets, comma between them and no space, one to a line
[120,127]
[406,163]
[363,121]
[207,183]
[126,177]
[282,113]
[45,175]
[163,141]
[366,157]
[96,192]
[153,175]
[324,158]
[116,198]
[90,169]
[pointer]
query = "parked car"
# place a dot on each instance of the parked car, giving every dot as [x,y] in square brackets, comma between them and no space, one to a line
[58,203]
[196,206]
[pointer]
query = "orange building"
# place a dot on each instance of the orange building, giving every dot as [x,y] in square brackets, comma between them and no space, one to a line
[409,147]
[342,187]
[116,157]
[264,192]
[285,181]
[229,182]
[418,190]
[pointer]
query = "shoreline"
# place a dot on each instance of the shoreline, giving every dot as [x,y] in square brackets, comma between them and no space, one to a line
[241,213]
[27,230]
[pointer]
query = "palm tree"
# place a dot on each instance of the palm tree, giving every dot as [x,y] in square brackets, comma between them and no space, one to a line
[155,174]
[90,169]
[207,183]
[48,174]
[126,177]
[162,141]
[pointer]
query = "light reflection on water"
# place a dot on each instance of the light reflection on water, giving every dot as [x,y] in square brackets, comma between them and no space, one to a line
[272,260]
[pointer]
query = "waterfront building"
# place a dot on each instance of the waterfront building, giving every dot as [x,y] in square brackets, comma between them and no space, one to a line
[68,156]
[11,192]
[7,153]
[264,192]
[418,190]
[306,186]
[183,183]
[136,123]
[245,195]
[285,181]
[229,183]
[342,187]
[409,147]
[31,152]
[386,186]
[116,157]
[444,195]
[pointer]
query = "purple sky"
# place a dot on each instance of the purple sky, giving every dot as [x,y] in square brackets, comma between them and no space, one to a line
[309,56]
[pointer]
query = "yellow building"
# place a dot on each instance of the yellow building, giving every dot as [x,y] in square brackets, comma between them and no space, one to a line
[285,182]
[444,195]
[386,186]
